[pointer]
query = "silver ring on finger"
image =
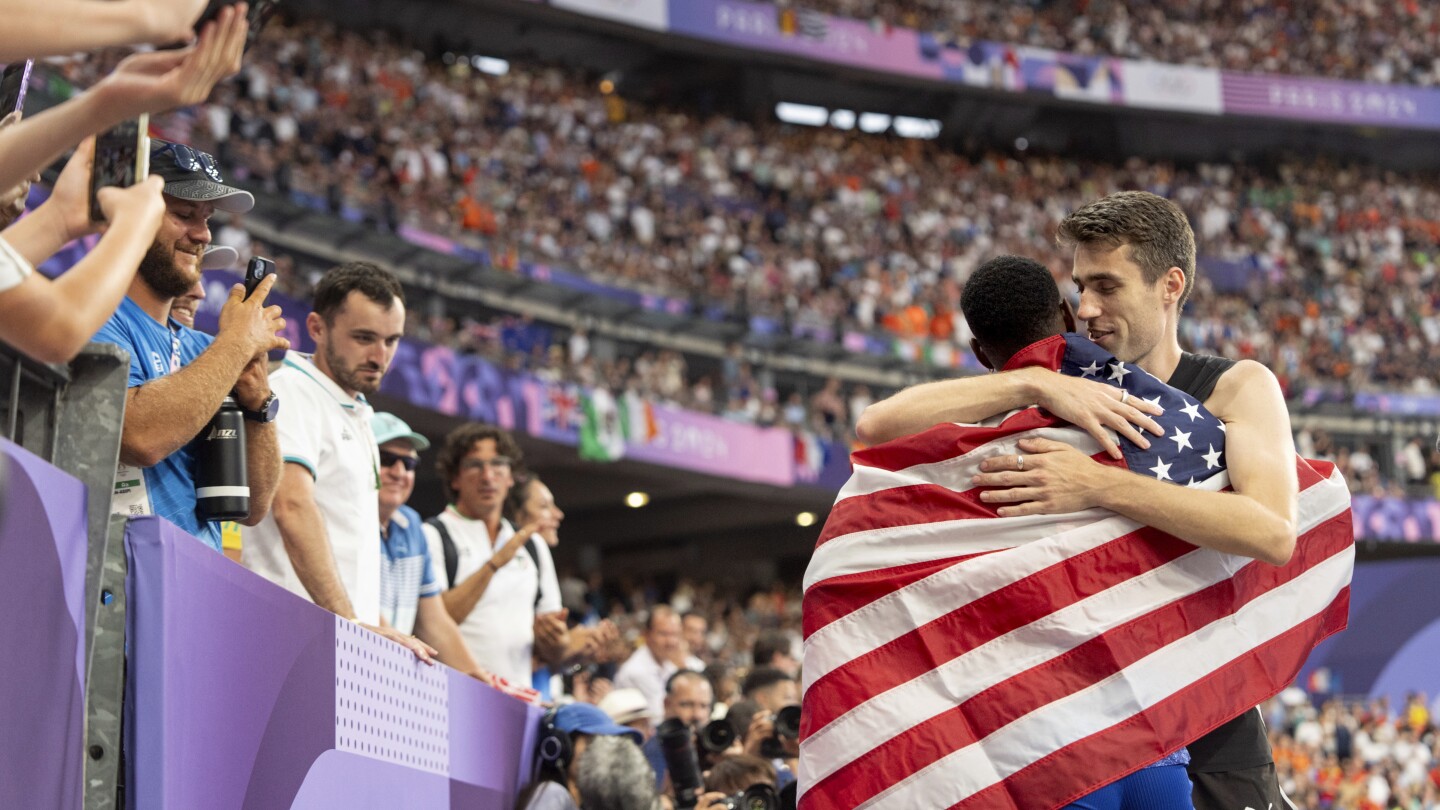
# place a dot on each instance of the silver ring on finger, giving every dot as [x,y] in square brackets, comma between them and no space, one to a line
[1020,462]
[1124,396]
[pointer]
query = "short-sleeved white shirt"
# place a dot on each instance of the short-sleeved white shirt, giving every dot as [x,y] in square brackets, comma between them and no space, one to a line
[13,267]
[327,431]
[500,631]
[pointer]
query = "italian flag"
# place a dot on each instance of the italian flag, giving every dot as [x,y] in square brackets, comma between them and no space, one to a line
[606,427]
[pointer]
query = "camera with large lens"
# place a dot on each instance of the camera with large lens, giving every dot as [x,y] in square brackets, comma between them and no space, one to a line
[759,796]
[713,741]
[787,727]
[677,743]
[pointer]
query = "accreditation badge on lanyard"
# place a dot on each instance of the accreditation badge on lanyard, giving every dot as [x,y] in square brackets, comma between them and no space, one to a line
[131,497]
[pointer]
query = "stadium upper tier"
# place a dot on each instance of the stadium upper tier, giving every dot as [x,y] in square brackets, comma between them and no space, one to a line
[1323,272]
[1374,42]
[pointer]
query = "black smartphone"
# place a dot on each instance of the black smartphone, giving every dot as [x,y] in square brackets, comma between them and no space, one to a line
[260,13]
[256,272]
[12,86]
[122,159]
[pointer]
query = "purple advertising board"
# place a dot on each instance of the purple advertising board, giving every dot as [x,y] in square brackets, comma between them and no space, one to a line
[241,694]
[1398,519]
[42,673]
[1330,100]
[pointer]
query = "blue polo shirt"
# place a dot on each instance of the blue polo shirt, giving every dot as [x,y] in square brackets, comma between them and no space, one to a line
[156,350]
[406,575]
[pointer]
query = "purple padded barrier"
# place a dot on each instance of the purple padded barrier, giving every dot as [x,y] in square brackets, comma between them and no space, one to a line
[42,671]
[243,695]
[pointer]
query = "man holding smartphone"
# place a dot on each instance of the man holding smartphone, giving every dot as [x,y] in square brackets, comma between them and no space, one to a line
[179,376]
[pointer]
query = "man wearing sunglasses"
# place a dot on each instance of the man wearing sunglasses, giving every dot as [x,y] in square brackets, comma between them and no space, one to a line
[179,376]
[409,592]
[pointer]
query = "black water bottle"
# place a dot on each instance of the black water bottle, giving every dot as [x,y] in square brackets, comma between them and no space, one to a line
[222,486]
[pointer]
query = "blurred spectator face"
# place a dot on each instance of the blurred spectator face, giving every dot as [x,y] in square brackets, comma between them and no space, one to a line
[540,506]
[359,342]
[663,636]
[172,264]
[183,308]
[777,696]
[694,628]
[484,480]
[690,701]
[1124,314]
[396,482]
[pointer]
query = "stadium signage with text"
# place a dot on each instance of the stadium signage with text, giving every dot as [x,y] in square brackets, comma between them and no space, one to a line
[1016,68]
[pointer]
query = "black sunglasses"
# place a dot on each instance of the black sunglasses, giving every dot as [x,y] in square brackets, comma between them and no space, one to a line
[388,459]
[191,160]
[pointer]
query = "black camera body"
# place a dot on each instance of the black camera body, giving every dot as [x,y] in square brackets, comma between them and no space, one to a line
[759,796]
[787,727]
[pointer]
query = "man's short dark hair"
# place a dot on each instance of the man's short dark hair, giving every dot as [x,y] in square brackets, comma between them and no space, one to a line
[1009,303]
[462,440]
[768,645]
[1155,228]
[372,280]
[737,772]
[682,675]
[762,678]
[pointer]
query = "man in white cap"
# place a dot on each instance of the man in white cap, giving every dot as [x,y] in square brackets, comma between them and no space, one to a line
[178,376]
[216,257]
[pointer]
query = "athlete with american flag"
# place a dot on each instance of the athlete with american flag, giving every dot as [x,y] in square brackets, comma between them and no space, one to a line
[1134,262]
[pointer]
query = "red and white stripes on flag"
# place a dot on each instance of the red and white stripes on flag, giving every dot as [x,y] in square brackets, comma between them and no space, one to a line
[956,659]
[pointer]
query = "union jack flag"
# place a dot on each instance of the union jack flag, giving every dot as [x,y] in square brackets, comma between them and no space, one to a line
[958,659]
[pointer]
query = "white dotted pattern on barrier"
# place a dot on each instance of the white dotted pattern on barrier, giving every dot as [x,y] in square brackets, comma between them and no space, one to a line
[388,705]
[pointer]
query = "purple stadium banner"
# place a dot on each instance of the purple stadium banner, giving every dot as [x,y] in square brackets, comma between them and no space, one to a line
[1330,100]
[1400,519]
[42,671]
[243,695]
[1399,404]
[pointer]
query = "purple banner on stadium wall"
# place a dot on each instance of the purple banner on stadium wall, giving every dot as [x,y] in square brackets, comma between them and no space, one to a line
[709,444]
[243,695]
[1399,404]
[1409,521]
[1330,100]
[42,671]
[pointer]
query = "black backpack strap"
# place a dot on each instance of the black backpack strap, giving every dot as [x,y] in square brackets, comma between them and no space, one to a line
[452,557]
[535,558]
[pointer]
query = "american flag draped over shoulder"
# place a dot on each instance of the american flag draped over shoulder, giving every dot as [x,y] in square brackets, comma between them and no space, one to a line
[954,658]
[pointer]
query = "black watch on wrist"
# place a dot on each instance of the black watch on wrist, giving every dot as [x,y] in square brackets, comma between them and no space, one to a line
[266,412]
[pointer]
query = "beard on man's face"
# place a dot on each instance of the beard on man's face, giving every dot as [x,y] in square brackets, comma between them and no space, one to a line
[349,377]
[162,271]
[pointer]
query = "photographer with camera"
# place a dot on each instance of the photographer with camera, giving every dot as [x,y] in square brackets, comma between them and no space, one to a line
[773,732]
[740,782]
[687,704]
[179,377]
[583,759]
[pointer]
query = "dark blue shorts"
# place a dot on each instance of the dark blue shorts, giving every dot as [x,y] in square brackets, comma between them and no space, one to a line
[1165,787]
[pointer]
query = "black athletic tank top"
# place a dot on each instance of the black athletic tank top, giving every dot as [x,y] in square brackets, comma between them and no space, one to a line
[1240,743]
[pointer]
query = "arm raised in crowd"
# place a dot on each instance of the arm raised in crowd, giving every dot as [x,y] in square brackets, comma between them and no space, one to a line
[462,599]
[143,83]
[37,28]
[154,426]
[52,320]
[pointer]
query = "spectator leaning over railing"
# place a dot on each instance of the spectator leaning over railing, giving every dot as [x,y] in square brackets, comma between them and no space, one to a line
[178,376]
[322,540]
[493,591]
